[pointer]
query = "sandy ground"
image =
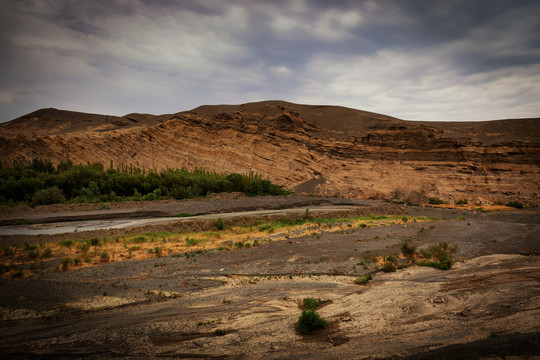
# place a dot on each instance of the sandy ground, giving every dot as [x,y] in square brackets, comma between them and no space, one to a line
[486,307]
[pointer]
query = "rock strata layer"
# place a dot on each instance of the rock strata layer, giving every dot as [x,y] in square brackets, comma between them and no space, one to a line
[325,150]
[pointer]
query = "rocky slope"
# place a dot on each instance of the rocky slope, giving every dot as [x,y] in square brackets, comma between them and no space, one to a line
[325,150]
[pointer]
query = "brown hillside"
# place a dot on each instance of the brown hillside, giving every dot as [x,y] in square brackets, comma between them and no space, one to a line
[320,149]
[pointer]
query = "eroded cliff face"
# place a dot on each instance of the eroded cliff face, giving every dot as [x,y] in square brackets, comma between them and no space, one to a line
[315,149]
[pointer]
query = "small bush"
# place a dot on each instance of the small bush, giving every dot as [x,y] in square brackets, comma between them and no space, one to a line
[389,267]
[515,204]
[310,303]
[438,256]
[65,263]
[362,225]
[52,195]
[407,249]
[362,280]
[46,253]
[239,244]
[105,256]
[220,224]
[94,241]
[310,321]
[436,201]
[462,202]
[29,247]
[84,247]
[220,332]
[17,275]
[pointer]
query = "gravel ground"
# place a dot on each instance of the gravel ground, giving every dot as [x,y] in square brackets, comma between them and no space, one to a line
[172,306]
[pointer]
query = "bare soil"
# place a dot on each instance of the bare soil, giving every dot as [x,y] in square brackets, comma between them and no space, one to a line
[486,307]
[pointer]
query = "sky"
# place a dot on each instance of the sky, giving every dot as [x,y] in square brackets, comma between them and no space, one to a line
[432,60]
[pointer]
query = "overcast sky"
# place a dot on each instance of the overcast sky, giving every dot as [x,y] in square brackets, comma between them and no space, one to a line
[412,59]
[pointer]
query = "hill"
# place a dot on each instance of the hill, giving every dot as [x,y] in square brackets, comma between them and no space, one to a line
[325,150]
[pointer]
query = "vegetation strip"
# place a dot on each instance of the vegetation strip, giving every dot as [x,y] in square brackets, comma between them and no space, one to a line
[21,261]
[39,182]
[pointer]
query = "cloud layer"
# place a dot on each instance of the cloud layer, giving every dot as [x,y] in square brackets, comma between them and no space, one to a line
[436,60]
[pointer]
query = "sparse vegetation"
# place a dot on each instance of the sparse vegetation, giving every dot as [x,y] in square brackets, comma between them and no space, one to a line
[438,256]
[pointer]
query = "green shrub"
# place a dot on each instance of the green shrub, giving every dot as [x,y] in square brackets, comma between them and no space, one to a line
[52,195]
[105,256]
[220,332]
[436,201]
[65,263]
[46,253]
[17,275]
[515,204]
[310,303]
[389,267]
[462,202]
[362,280]
[310,321]
[438,256]
[220,224]
[407,249]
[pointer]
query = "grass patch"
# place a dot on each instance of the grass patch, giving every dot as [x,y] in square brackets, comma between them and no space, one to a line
[66,243]
[194,241]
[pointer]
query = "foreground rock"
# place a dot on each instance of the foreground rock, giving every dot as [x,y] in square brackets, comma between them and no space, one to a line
[244,303]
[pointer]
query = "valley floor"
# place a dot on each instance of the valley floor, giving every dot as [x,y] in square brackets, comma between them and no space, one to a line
[223,301]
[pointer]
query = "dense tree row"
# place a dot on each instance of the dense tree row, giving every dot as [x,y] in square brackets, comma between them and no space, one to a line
[40,182]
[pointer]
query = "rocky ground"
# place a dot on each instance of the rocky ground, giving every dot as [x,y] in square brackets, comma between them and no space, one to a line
[244,303]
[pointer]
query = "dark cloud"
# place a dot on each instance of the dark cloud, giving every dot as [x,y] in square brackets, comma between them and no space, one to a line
[429,60]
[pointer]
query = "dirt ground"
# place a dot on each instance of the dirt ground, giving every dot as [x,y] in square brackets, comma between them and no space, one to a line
[243,303]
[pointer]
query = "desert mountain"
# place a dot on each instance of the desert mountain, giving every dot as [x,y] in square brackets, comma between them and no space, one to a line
[317,149]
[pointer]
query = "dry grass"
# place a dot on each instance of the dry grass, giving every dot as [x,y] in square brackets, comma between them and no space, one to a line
[93,252]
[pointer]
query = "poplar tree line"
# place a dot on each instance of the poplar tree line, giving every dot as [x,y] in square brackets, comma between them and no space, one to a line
[40,182]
